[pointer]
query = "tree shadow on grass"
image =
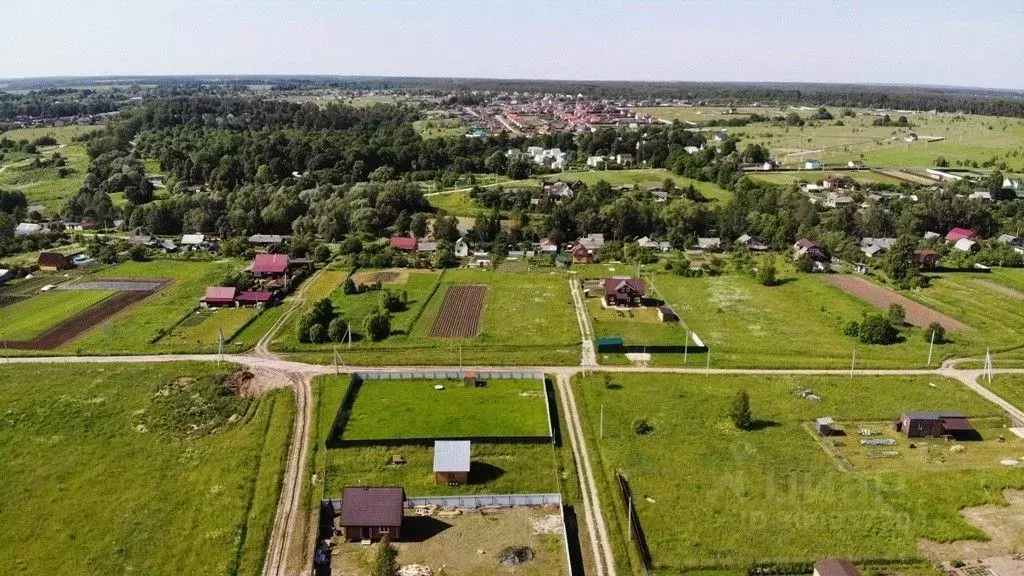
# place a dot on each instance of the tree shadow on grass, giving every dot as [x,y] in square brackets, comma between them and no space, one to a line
[756,425]
[422,528]
[482,472]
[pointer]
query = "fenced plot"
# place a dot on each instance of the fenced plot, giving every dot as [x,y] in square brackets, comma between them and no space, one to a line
[379,277]
[881,298]
[460,312]
[115,285]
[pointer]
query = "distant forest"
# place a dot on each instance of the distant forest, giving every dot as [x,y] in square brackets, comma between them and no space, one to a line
[947,99]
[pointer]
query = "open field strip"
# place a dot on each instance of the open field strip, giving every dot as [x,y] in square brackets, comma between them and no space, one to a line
[29,318]
[208,496]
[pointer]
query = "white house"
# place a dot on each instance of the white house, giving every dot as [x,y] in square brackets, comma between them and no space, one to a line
[1013,183]
[623,159]
[646,242]
[812,165]
[192,241]
[461,248]
[595,161]
[709,244]
[28,229]
[691,149]
[965,245]
[980,195]
[546,246]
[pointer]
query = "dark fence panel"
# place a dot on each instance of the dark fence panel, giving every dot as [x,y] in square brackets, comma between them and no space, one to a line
[639,540]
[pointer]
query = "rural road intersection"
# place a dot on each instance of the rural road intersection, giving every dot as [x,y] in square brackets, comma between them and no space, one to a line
[298,375]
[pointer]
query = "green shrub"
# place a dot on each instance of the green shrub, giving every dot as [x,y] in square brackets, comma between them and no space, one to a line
[877,329]
[938,329]
[337,329]
[739,412]
[897,315]
[378,326]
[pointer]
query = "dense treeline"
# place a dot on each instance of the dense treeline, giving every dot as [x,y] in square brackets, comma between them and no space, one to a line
[56,103]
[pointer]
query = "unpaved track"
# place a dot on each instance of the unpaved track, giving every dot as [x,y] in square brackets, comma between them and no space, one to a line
[1004,290]
[604,560]
[289,508]
[589,355]
[881,298]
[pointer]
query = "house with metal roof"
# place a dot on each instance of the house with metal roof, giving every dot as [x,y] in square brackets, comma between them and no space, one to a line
[935,425]
[451,462]
[369,513]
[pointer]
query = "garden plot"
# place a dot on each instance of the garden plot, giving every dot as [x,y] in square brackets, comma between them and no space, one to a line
[460,312]
[882,297]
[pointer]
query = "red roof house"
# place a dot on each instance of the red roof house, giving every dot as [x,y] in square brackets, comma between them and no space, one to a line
[368,513]
[960,234]
[581,253]
[624,291]
[403,243]
[270,265]
[219,296]
[254,297]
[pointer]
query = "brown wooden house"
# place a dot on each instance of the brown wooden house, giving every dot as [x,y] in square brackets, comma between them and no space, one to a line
[624,291]
[54,261]
[935,425]
[368,513]
[583,255]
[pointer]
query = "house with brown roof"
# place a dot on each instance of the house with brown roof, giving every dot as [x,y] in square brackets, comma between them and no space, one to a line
[269,266]
[835,567]
[218,296]
[624,291]
[935,425]
[926,259]
[369,513]
[54,261]
[583,255]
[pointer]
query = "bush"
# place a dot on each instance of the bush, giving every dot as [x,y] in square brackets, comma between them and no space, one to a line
[378,326]
[938,330]
[852,328]
[305,323]
[349,287]
[138,253]
[317,334]
[897,315]
[391,302]
[337,329]
[766,274]
[739,412]
[877,329]
[384,563]
[642,427]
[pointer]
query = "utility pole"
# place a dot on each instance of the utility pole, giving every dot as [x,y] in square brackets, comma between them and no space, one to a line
[853,362]
[220,342]
[686,347]
[707,368]
[630,516]
[602,420]
[930,346]
[336,369]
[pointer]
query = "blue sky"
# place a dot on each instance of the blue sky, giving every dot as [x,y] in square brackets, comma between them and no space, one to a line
[966,43]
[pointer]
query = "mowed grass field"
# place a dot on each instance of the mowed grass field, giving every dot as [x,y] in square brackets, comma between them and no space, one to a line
[45,185]
[29,318]
[527,319]
[712,497]
[130,331]
[386,409]
[799,324]
[85,490]
[814,176]
[496,468]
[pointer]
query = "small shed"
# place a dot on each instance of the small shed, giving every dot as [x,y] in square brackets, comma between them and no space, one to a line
[451,462]
[666,314]
[835,567]
[860,268]
[824,426]
[54,261]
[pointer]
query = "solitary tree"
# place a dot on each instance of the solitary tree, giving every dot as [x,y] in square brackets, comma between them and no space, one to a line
[938,330]
[384,563]
[378,325]
[897,315]
[739,412]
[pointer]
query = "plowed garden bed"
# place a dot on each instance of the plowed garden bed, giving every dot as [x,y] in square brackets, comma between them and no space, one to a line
[82,322]
[882,298]
[460,312]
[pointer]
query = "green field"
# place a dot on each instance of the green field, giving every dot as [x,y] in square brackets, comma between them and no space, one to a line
[96,466]
[787,178]
[44,185]
[504,468]
[800,322]
[638,326]
[202,329]
[459,203]
[389,409]
[1009,387]
[712,497]
[439,128]
[131,331]
[27,319]
[527,319]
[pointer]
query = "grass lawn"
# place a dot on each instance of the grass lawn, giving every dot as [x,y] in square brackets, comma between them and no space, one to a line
[78,475]
[202,328]
[132,329]
[27,319]
[503,468]
[386,409]
[439,128]
[63,135]
[637,326]
[527,319]
[786,178]
[710,496]
[1009,387]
